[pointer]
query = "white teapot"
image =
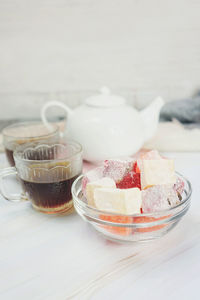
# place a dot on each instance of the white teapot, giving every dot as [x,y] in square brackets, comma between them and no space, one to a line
[107,127]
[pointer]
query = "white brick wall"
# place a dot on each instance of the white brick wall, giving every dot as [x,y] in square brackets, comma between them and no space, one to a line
[50,47]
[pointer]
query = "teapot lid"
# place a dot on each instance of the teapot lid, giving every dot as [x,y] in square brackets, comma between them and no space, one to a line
[105,99]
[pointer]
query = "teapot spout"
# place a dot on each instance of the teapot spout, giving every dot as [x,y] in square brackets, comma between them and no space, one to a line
[150,117]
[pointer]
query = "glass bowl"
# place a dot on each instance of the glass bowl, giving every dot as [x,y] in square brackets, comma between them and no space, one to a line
[131,228]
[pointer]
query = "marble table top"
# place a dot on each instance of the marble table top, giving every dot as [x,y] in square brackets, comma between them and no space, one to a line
[51,257]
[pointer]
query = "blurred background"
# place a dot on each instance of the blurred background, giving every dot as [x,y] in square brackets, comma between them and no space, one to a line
[51,49]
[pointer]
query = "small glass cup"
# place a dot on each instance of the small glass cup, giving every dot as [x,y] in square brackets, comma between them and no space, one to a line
[46,173]
[26,132]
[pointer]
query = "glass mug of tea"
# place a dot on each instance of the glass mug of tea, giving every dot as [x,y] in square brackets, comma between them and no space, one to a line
[27,132]
[46,173]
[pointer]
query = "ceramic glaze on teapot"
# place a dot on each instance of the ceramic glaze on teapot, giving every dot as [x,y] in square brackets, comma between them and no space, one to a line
[106,126]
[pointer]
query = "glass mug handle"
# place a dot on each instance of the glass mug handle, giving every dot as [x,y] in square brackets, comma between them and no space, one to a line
[53,103]
[10,197]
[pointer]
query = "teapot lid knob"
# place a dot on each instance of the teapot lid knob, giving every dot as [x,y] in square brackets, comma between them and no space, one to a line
[105,99]
[105,90]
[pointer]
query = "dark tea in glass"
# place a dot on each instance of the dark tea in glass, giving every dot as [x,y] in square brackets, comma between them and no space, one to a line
[10,158]
[46,173]
[50,195]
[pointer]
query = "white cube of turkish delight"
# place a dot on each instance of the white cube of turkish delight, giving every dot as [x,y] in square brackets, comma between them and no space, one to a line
[122,201]
[157,172]
[105,182]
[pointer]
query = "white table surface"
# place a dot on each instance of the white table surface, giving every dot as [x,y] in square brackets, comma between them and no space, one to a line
[49,257]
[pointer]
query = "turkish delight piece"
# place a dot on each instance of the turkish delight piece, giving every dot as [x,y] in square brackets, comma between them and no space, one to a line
[157,172]
[117,219]
[153,154]
[133,200]
[158,198]
[104,182]
[144,219]
[91,176]
[117,168]
[131,179]
[126,201]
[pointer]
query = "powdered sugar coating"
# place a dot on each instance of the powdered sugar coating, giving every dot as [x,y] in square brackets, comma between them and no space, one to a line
[153,154]
[179,186]
[158,198]
[131,179]
[117,168]
[90,176]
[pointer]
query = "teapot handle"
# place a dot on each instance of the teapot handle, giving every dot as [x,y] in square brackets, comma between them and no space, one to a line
[53,103]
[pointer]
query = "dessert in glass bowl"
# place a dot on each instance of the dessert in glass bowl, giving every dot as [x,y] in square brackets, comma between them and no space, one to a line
[133,199]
